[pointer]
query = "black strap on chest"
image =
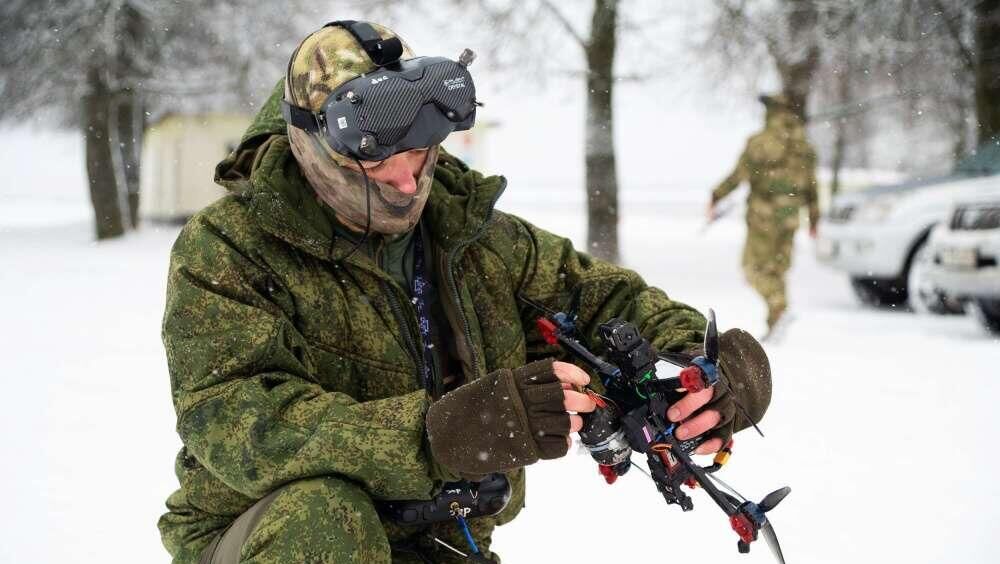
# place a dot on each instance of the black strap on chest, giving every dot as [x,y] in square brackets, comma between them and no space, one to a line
[421,292]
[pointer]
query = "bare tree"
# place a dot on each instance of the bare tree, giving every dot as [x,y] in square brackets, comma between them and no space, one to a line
[79,63]
[523,29]
[987,69]
[104,66]
[601,169]
[519,31]
[926,67]
[786,34]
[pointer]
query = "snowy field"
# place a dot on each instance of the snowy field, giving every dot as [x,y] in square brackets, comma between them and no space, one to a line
[881,422]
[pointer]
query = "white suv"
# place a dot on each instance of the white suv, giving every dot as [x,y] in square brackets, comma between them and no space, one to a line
[878,236]
[965,251]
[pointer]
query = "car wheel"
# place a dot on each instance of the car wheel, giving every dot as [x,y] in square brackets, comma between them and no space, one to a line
[879,292]
[922,296]
[988,313]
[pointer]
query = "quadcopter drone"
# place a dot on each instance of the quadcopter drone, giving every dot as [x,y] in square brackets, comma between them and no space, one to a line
[631,417]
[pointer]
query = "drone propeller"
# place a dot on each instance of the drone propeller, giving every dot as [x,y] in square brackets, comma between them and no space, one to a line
[772,499]
[741,505]
[729,491]
[538,306]
[711,346]
[769,502]
[680,359]
[712,338]
[772,541]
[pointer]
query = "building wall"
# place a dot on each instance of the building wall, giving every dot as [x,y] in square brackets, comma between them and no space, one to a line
[178,163]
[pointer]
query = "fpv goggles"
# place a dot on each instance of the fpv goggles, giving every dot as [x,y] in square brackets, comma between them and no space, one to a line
[399,106]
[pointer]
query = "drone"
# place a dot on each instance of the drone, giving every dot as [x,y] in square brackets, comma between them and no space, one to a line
[631,417]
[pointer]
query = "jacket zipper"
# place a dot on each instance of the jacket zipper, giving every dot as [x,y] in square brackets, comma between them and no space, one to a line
[453,285]
[415,347]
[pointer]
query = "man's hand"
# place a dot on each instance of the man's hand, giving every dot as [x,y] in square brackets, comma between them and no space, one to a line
[710,213]
[570,376]
[699,424]
[746,376]
[812,231]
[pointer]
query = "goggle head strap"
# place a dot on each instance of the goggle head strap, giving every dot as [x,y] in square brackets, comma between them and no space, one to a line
[302,118]
[382,52]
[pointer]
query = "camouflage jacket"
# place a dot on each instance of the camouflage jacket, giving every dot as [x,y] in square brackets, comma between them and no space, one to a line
[780,165]
[285,364]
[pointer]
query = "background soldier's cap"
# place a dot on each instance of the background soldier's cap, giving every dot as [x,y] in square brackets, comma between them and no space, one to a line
[775,101]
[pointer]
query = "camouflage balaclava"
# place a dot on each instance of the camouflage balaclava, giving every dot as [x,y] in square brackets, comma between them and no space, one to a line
[323,61]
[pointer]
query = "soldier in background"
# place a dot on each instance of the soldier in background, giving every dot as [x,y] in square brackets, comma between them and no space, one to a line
[780,166]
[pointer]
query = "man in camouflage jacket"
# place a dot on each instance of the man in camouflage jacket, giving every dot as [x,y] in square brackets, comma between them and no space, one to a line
[780,166]
[295,364]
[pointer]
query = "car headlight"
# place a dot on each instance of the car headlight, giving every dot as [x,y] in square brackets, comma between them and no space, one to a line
[877,209]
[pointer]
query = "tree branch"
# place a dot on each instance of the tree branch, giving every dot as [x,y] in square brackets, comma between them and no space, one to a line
[566,25]
[953,31]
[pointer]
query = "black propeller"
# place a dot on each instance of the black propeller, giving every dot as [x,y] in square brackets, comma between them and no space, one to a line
[712,338]
[772,499]
[772,541]
[769,502]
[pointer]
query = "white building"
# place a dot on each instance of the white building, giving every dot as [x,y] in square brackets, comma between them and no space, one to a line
[179,155]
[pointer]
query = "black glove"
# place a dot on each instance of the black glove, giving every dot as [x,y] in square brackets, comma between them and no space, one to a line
[505,420]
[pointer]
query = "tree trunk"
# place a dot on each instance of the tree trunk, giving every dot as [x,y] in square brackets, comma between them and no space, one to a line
[840,144]
[104,193]
[131,29]
[959,126]
[988,69]
[798,62]
[129,125]
[602,176]
[839,148]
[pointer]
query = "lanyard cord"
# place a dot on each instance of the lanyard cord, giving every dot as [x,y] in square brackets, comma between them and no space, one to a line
[421,284]
[422,288]
[468,534]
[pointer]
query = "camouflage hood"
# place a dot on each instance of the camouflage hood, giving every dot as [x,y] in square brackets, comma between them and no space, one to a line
[263,170]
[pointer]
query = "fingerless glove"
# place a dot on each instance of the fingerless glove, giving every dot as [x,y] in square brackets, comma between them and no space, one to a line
[505,420]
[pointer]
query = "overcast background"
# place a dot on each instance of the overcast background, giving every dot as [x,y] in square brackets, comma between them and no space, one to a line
[881,421]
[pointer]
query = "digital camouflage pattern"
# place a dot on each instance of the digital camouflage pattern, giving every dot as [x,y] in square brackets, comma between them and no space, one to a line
[332,520]
[780,165]
[288,367]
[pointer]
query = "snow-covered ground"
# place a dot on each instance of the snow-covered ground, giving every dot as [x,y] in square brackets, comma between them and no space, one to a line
[881,422]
